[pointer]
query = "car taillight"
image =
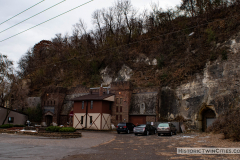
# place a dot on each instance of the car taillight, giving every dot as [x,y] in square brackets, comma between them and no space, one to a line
[124,126]
[117,126]
[143,129]
[167,128]
[134,129]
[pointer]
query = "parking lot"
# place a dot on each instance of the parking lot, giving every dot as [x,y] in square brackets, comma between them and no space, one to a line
[110,145]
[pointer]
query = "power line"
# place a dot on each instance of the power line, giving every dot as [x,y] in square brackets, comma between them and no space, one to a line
[47,20]
[22,12]
[32,16]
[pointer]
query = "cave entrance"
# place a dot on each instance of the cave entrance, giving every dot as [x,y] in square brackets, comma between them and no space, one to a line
[208,116]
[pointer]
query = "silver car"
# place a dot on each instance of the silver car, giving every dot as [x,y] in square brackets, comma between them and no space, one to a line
[144,129]
[166,128]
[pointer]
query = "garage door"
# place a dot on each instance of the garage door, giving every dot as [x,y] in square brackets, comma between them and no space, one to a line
[137,119]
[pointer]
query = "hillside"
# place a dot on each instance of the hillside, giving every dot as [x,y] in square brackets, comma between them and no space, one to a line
[161,48]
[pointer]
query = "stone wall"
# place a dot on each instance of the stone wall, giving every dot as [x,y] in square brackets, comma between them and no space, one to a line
[33,102]
[144,103]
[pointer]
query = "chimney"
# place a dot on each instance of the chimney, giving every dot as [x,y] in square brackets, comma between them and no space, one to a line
[101,91]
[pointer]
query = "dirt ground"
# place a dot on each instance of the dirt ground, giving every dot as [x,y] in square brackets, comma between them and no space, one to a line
[129,146]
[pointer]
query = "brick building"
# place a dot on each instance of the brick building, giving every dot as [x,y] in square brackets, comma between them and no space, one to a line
[121,106]
[52,102]
[138,106]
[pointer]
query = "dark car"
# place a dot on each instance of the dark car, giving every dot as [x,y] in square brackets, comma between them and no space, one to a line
[166,128]
[125,127]
[144,129]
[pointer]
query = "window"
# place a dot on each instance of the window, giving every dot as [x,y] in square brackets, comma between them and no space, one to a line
[44,103]
[82,104]
[91,107]
[51,102]
[81,119]
[120,108]
[120,117]
[116,117]
[117,100]
[110,106]
[116,108]
[120,100]
[10,119]
[54,102]
[90,119]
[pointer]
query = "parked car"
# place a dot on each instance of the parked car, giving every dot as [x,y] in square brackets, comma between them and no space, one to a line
[144,129]
[125,127]
[166,128]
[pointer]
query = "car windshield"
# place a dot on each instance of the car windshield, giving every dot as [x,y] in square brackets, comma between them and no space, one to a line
[122,124]
[142,125]
[163,125]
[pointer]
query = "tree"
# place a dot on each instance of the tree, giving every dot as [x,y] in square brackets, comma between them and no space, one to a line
[6,70]
[6,76]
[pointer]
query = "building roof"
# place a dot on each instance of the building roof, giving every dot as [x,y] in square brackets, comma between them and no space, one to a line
[93,97]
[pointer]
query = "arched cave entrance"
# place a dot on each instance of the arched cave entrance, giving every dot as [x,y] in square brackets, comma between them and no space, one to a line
[208,116]
[48,119]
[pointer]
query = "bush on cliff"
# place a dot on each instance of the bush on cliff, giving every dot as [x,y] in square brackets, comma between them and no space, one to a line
[228,123]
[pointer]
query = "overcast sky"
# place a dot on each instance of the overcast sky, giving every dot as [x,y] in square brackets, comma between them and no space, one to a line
[17,46]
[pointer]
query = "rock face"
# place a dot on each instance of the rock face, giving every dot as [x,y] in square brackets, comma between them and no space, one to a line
[215,91]
[144,103]
[123,75]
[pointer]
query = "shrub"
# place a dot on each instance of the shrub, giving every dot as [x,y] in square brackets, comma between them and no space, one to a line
[67,129]
[228,124]
[60,129]
[53,128]
[160,62]
[224,55]
[6,126]
[17,125]
[211,35]
[35,114]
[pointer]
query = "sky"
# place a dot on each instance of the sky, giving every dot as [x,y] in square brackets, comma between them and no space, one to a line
[18,45]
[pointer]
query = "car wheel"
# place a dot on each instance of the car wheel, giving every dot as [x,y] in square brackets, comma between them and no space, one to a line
[136,134]
[171,133]
[118,132]
[128,131]
[159,134]
[147,133]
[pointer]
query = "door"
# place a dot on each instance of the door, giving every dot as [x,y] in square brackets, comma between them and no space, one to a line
[48,120]
[210,121]
[136,120]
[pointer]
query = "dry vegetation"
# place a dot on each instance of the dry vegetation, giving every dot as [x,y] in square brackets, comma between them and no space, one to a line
[181,39]
[228,124]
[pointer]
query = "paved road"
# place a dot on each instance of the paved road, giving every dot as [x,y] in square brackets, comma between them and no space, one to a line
[108,145]
[24,147]
[152,147]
